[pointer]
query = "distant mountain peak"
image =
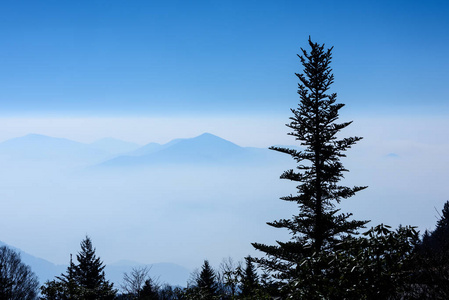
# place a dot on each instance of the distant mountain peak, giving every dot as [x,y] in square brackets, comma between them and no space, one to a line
[207,140]
[209,137]
[208,134]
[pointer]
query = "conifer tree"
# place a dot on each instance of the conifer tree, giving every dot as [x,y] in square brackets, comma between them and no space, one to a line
[150,291]
[207,281]
[318,226]
[72,289]
[85,280]
[432,268]
[250,280]
[441,232]
[89,270]
[89,273]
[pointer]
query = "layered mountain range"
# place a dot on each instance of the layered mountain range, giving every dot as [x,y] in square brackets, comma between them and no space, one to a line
[55,189]
[204,149]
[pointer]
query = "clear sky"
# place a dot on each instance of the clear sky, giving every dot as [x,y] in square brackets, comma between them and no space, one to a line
[171,58]
[151,71]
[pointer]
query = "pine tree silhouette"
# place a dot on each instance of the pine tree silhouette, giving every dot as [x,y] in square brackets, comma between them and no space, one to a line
[318,226]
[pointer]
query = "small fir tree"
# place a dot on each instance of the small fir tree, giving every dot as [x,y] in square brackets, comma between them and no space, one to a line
[89,273]
[207,281]
[319,226]
[150,291]
[85,280]
[250,280]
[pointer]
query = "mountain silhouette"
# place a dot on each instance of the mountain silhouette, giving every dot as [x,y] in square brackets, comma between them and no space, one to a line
[36,147]
[205,149]
[201,150]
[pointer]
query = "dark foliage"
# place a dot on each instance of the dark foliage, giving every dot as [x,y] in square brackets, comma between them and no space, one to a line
[17,281]
[85,281]
[150,291]
[206,282]
[167,292]
[89,271]
[319,226]
[432,264]
[377,265]
[250,279]
[139,285]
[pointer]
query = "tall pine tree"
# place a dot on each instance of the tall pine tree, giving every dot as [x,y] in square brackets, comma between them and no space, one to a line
[319,226]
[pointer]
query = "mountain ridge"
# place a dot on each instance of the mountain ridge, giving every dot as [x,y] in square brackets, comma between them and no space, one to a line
[203,149]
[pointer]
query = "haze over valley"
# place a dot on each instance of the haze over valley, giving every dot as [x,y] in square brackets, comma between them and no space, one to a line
[202,194]
[139,203]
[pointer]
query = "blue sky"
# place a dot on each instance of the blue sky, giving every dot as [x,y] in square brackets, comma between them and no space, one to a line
[215,58]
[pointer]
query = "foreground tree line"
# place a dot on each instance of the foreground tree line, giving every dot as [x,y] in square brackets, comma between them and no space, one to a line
[381,264]
[330,255]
